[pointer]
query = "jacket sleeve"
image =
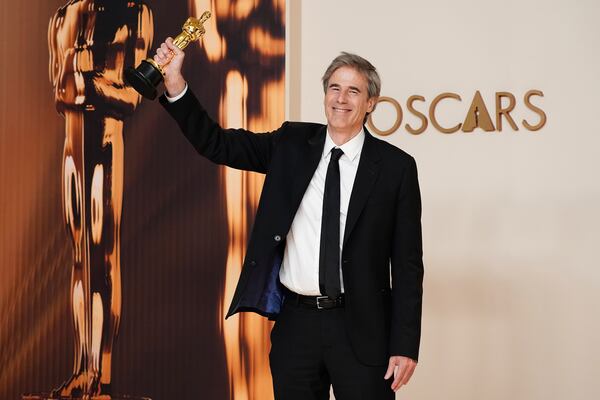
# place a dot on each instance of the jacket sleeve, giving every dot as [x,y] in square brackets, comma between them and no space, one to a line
[407,268]
[236,148]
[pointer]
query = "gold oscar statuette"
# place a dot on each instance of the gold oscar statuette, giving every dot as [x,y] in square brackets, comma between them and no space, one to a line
[149,74]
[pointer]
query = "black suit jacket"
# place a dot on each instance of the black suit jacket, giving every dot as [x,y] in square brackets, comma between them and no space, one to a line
[382,252]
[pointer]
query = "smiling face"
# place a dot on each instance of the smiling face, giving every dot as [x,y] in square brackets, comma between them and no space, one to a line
[347,102]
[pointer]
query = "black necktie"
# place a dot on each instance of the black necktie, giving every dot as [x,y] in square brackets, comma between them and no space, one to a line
[329,255]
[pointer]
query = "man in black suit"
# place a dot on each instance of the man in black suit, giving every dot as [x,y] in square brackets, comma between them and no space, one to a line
[335,254]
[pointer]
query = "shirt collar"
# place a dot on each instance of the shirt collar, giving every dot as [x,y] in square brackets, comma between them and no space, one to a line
[351,148]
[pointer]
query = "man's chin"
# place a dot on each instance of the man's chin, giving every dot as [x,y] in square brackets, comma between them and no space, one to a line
[342,129]
[338,125]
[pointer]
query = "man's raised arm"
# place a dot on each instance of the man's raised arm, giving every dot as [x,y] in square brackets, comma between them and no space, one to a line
[236,148]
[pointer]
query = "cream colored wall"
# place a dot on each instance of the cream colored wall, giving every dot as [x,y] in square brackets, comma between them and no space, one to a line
[511,220]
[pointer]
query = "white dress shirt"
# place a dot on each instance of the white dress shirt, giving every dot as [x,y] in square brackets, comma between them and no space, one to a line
[177,97]
[300,267]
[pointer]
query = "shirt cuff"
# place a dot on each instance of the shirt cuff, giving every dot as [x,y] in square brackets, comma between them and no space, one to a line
[175,98]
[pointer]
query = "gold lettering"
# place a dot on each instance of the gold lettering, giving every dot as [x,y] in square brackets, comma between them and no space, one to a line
[478,116]
[536,110]
[421,116]
[432,117]
[397,107]
[500,111]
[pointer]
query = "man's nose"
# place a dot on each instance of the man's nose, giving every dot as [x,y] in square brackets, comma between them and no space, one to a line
[342,97]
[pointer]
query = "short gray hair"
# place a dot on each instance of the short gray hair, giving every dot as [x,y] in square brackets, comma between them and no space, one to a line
[361,65]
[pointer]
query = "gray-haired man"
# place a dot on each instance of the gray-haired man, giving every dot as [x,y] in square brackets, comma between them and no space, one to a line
[335,254]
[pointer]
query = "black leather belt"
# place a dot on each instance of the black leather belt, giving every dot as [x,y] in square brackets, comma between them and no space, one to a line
[317,302]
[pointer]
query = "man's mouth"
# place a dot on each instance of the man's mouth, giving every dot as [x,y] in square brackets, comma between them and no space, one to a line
[341,110]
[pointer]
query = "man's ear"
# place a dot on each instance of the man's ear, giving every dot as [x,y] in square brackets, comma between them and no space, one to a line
[371,104]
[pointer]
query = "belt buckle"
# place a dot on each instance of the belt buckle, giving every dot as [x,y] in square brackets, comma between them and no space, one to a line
[319,307]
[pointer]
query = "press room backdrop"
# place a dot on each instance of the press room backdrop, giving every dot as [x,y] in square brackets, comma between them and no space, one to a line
[184,221]
[511,219]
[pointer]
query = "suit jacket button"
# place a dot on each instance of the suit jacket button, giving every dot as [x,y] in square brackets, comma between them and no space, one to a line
[277,238]
[252,263]
[344,261]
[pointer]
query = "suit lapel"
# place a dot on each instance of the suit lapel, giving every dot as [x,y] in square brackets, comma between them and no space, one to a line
[312,155]
[366,176]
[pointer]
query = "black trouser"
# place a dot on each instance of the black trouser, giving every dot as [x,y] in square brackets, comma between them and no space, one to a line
[310,351]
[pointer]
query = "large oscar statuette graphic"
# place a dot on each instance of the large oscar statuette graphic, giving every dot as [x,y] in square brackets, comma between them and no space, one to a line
[149,74]
[90,42]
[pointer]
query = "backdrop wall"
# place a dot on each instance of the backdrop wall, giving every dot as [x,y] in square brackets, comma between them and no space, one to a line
[511,219]
[184,220]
